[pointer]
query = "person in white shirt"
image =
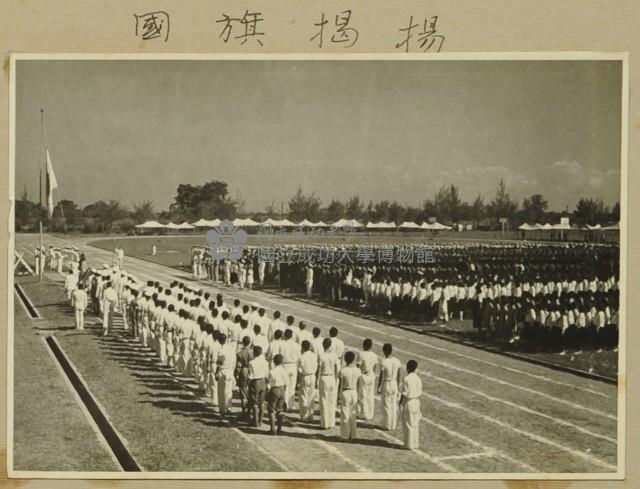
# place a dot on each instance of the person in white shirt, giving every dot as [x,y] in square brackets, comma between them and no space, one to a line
[349,378]
[109,300]
[316,342]
[276,404]
[410,406]
[366,386]
[388,388]
[303,333]
[337,345]
[226,367]
[259,339]
[70,284]
[328,368]
[258,374]
[79,302]
[309,281]
[275,325]
[307,370]
[290,355]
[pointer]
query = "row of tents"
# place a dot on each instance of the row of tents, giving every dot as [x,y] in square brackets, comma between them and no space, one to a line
[285,223]
[566,226]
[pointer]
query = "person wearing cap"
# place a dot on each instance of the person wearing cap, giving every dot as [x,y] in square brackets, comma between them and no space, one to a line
[410,406]
[307,371]
[388,387]
[328,368]
[258,374]
[368,362]
[276,403]
[349,378]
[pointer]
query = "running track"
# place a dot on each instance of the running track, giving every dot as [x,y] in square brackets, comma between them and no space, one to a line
[479,409]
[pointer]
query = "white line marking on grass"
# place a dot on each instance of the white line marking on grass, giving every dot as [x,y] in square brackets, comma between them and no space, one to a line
[467,456]
[101,439]
[471,441]
[541,439]
[330,448]
[443,465]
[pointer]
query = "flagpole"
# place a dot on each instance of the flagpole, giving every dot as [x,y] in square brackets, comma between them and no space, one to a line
[41,254]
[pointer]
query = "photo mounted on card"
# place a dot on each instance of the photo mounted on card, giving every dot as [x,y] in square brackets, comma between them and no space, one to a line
[310,267]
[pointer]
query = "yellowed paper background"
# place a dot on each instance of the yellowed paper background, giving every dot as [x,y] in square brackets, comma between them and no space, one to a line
[92,26]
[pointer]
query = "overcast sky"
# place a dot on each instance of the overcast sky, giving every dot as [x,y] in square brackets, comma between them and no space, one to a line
[134,130]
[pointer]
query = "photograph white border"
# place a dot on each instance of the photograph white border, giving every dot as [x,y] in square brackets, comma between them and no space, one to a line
[482,56]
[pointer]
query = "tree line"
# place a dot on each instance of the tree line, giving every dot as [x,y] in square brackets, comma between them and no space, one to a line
[212,200]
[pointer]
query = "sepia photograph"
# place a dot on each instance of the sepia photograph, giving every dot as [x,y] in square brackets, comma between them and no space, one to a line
[345,267]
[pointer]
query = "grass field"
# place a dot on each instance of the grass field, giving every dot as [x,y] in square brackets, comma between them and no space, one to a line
[482,412]
[50,430]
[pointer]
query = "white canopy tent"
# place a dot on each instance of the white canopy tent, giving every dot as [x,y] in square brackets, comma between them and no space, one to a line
[185,226]
[151,225]
[381,225]
[613,227]
[409,225]
[247,223]
[201,223]
[344,223]
[436,226]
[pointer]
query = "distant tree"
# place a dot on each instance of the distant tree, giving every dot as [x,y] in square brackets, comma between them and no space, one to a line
[382,211]
[208,200]
[270,208]
[428,209]
[447,203]
[534,208]
[590,211]
[397,212]
[478,210]
[354,208]
[105,214]
[615,212]
[27,214]
[335,211]
[303,206]
[143,212]
[502,206]
[413,214]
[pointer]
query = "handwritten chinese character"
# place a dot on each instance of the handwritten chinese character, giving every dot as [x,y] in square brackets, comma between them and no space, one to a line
[428,39]
[345,35]
[249,22]
[153,25]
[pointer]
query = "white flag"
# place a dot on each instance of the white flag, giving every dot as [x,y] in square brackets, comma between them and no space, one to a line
[52,184]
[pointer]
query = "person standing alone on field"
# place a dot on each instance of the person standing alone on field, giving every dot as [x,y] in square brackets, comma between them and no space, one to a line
[410,406]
